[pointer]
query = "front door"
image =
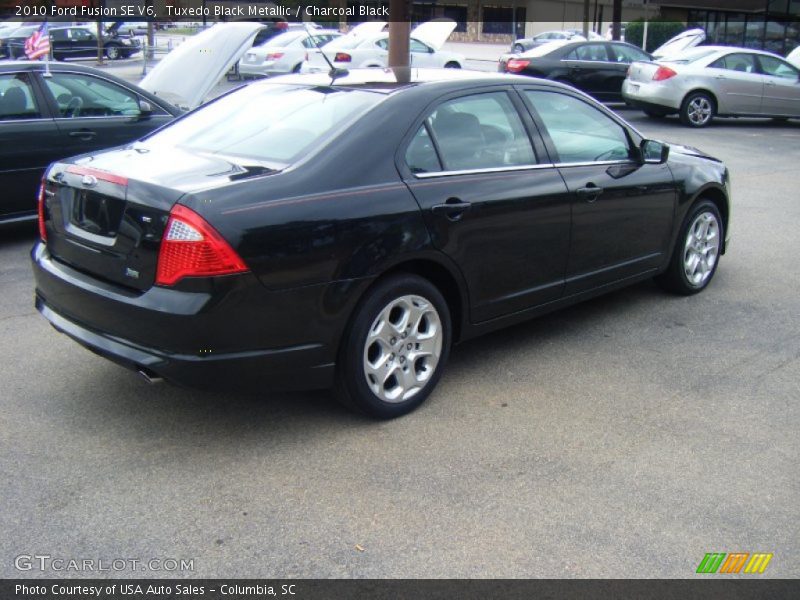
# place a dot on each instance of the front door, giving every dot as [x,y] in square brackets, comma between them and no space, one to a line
[492,204]
[622,209]
[94,113]
[781,87]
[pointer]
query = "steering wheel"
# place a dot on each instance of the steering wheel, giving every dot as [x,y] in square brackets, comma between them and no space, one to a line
[74,107]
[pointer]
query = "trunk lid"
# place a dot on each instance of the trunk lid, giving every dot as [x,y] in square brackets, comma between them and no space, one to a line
[188,73]
[642,72]
[682,41]
[107,213]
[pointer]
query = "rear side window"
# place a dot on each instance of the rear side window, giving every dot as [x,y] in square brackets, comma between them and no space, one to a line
[580,132]
[421,155]
[266,122]
[16,97]
[589,52]
[480,132]
[744,63]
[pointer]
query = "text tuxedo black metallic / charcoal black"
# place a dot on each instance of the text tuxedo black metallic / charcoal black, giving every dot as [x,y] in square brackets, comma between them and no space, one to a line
[298,233]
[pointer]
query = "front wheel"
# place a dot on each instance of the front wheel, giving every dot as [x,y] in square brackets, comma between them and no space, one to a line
[113,52]
[519,48]
[452,65]
[696,256]
[395,349]
[698,109]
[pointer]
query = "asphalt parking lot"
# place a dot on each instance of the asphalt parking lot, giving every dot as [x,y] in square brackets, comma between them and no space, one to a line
[625,437]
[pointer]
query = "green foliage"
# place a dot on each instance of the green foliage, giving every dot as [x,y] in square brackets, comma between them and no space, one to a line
[658,32]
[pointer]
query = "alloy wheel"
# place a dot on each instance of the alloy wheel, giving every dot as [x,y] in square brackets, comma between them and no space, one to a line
[403,348]
[699,110]
[701,249]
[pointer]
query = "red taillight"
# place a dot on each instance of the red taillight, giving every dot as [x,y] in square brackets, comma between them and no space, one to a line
[274,55]
[192,248]
[342,57]
[663,73]
[42,228]
[515,65]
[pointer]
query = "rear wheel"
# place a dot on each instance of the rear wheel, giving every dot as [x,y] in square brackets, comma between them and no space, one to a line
[395,349]
[519,48]
[698,109]
[696,255]
[297,68]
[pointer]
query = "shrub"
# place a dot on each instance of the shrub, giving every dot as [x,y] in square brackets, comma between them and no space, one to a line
[658,32]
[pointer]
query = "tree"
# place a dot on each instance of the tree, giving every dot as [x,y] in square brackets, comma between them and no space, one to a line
[658,32]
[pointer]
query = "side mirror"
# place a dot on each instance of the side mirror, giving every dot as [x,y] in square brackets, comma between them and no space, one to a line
[654,152]
[145,108]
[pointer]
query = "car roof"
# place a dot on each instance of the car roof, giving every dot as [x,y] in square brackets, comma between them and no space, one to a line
[386,80]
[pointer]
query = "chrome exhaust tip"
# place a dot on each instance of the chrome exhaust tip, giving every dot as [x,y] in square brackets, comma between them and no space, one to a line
[150,377]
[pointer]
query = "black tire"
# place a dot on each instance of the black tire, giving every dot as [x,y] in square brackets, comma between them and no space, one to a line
[113,52]
[689,107]
[352,387]
[675,278]
[519,48]
[297,68]
[452,65]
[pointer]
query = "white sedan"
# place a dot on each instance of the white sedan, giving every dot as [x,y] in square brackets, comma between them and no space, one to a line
[284,53]
[366,48]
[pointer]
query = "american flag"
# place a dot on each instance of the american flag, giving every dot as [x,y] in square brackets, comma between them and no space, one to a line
[38,45]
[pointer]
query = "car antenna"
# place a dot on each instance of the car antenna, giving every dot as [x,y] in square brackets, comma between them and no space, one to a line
[335,72]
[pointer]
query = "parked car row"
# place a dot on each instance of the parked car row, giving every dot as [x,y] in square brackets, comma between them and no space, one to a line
[684,77]
[70,42]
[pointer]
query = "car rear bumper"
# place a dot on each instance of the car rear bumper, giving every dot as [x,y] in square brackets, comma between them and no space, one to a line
[651,95]
[194,339]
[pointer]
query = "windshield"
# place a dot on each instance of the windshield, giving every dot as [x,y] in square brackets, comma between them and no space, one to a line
[284,39]
[268,122]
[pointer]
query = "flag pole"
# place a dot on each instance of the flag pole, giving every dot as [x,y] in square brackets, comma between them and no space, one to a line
[47,72]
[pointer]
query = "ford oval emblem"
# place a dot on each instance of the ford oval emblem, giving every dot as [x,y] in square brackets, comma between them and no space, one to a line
[89,180]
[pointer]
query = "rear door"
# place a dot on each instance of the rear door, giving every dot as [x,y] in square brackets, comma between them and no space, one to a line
[29,141]
[491,199]
[94,113]
[739,86]
[622,210]
[781,87]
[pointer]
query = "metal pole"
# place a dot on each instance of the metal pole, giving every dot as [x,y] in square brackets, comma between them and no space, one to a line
[587,7]
[644,34]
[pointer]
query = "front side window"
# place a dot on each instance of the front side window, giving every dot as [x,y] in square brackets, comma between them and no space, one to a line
[16,97]
[778,68]
[479,132]
[79,95]
[272,123]
[580,132]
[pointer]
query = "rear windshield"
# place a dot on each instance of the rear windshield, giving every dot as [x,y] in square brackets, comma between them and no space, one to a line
[266,122]
[689,56]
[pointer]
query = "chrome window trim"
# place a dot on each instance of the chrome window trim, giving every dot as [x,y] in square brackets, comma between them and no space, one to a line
[484,170]
[591,163]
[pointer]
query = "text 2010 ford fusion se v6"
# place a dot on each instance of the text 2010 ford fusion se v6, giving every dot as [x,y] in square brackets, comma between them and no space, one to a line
[302,233]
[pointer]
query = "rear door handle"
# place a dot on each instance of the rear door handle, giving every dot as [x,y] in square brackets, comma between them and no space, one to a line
[84,134]
[589,193]
[453,208]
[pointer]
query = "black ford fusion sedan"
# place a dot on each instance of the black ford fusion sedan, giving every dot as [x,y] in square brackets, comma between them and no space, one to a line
[597,67]
[303,233]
